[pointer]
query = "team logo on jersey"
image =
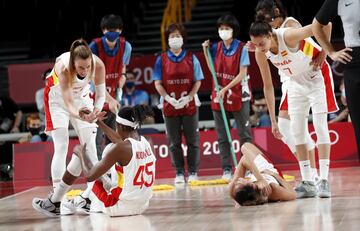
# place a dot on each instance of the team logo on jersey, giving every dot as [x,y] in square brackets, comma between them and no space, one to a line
[283,53]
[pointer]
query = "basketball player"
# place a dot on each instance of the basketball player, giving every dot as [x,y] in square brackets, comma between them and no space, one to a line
[66,92]
[263,183]
[274,13]
[177,76]
[231,60]
[115,52]
[129,159]
[284,48]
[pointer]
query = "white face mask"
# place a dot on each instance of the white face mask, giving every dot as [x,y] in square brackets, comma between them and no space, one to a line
[176,43]
[225,34]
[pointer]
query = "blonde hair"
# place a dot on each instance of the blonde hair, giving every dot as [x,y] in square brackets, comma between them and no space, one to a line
[79,49]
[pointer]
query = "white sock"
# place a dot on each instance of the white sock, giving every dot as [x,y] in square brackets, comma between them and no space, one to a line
[60,191]
[88,190]
[314,173]
[305,170]
[324,168]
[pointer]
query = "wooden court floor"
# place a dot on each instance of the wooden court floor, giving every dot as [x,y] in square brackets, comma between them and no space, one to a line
[203,208]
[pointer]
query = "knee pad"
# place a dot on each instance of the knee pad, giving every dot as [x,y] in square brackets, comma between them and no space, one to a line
[310,143]
[298,125]
[321,128]
[288,139]
[88,136]
[58,164]
[74,166]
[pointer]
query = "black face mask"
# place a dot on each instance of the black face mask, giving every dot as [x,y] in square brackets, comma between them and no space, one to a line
[34,131]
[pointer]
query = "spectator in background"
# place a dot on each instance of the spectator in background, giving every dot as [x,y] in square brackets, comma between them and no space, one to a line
[177,76]
[132,96]
[10,120]
[261,117]
[115,52]
[10,116]
[39,99]
[33,125]
[343,114]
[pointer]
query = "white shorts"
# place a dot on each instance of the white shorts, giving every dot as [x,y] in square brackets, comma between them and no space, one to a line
[57,115]
[121,208]
[263,164]
[305,92]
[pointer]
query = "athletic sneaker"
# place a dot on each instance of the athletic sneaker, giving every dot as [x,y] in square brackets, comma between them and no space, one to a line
[193,176]
[227,175]
[180,178]
[46,206]
[324,189]
[77,205]
[305,189]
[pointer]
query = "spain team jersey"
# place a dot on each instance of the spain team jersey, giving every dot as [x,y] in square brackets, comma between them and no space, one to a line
[131,184]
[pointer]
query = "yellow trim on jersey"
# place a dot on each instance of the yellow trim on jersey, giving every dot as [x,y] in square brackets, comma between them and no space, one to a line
[308,49]
[284,53]
[55,78]
[120,180]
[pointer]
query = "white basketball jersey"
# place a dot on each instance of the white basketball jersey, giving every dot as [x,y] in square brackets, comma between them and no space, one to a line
[80,87]
[293,64]
[137,177]
[284,77]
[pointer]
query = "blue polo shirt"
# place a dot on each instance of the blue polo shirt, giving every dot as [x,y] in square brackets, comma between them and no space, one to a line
[157,74]
[244,58]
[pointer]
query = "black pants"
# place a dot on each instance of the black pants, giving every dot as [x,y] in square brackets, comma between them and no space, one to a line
[352,91]
[244,131]
[101,138]
[187,125]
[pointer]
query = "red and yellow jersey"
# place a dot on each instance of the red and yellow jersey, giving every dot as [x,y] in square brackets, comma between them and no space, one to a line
[131,184]
[294,63]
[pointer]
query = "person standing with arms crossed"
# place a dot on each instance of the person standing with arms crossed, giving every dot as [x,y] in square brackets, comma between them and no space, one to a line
[231,60]
[349,13]
[115,52]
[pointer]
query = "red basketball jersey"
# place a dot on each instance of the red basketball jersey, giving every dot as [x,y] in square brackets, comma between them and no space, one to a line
[178,80]
[227,68]
[113,67]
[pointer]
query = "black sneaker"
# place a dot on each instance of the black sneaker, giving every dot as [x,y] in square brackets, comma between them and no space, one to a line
[47,207]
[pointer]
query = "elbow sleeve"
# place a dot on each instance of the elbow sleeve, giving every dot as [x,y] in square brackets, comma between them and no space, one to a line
[100,96]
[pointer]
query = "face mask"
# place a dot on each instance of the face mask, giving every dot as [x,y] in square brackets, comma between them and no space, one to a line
[111,36]
[225,34]
[130,84]
[34,131]
[176,43]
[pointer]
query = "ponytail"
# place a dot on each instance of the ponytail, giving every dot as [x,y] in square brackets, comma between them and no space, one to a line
[79,49]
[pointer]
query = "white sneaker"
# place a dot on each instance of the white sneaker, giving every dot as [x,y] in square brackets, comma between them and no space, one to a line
[193,177]
[324,189]
[227,175]
[179,179]
[46,206]
[77,204]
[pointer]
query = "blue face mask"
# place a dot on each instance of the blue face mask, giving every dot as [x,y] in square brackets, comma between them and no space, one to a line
[129,84]
[112,35]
